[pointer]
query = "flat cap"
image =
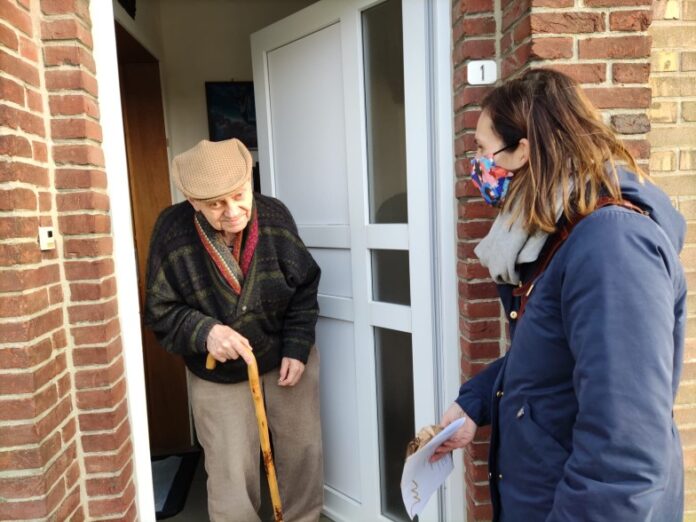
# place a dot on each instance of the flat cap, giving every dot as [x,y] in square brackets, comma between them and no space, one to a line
[212,169]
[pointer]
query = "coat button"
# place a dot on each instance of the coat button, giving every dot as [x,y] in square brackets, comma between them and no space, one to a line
[513,315]
[499,393]
[490,475]
[500,476]
[244,308]
[520,412]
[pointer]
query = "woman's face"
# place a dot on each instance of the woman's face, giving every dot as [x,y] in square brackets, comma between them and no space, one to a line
[490,142]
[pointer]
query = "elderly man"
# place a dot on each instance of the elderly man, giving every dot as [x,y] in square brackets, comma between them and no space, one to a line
[228,274]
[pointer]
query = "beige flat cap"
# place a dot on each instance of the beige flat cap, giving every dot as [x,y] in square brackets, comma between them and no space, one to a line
[212,169]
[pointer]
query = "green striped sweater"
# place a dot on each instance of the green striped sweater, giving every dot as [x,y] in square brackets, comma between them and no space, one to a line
[187,295]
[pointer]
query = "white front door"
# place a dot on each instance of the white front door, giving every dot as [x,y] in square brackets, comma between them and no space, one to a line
[345,143]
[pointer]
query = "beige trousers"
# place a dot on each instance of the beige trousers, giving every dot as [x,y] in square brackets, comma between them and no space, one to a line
[226,427]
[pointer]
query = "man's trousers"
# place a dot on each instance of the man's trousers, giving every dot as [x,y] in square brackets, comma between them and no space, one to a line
[226,428]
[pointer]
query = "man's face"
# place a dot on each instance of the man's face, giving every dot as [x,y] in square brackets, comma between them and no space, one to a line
[229,214]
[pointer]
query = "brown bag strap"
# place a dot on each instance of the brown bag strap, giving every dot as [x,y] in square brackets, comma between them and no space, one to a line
[525,289]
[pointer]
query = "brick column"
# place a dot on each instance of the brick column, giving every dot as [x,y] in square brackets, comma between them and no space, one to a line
[85,226]
[37,419]
[474,37]
[66,450]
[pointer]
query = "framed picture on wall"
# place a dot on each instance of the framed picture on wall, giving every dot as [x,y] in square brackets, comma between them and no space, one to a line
[231,112]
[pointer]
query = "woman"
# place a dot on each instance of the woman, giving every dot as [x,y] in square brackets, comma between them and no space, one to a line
[586,255]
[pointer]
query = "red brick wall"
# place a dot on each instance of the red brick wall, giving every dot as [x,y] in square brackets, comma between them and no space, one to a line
[605,45]
[475,36]
[66,450]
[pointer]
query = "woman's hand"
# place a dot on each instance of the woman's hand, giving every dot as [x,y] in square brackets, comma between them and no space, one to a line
[461,438]
[224,344]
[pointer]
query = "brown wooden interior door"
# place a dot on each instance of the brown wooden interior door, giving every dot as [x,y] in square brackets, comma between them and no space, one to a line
[148,175]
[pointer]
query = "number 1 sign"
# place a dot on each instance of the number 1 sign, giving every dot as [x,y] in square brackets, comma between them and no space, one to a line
[481,72]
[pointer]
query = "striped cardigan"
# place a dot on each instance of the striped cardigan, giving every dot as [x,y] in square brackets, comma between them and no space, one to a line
[187,294]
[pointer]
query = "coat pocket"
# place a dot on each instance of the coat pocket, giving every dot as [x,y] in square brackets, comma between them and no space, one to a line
[539,445]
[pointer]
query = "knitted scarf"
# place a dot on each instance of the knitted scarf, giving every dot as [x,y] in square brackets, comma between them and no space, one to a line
[233,265]
[508,245]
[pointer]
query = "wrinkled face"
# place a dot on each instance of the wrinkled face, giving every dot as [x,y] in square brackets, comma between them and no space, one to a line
[229,214]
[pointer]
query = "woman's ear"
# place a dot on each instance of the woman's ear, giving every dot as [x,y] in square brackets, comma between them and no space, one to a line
[521,153]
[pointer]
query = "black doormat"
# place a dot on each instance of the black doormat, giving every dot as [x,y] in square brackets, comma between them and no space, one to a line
[171,478]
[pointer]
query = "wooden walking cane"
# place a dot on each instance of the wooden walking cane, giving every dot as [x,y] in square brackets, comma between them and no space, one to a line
[262,421]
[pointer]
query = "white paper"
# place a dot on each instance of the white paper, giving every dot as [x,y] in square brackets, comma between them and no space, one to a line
[421,478]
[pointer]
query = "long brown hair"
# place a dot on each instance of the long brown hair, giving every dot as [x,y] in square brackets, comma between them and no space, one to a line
[570,147]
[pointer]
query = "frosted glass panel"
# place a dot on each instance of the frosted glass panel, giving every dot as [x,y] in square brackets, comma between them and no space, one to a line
[336,276]
[339,409]
[394,364]
[308,141]
[384,99]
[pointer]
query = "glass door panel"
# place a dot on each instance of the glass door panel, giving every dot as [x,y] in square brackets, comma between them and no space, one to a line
[384,108]
[395,414]
[386,184]
[390,277]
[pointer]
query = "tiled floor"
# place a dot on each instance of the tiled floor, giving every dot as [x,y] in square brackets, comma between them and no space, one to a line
[196,509]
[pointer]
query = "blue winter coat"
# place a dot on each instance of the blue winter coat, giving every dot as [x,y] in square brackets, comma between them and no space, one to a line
[581,405]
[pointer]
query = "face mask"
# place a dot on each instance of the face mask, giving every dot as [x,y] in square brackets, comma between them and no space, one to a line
[493,181]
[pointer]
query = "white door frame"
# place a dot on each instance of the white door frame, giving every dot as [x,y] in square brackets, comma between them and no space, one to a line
[445,262]
[438,32]
[125,268]
[429,24]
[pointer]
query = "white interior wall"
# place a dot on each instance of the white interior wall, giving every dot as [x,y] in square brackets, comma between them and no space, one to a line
[195,42]
[207,40]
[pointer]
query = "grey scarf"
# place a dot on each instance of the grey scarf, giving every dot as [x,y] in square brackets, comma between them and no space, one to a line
[508,245]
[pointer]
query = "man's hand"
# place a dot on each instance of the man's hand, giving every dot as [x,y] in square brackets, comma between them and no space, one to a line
[290,371]
[224,344]
[461,438]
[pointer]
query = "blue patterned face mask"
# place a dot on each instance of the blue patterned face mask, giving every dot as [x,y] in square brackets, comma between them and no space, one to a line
[491,180]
